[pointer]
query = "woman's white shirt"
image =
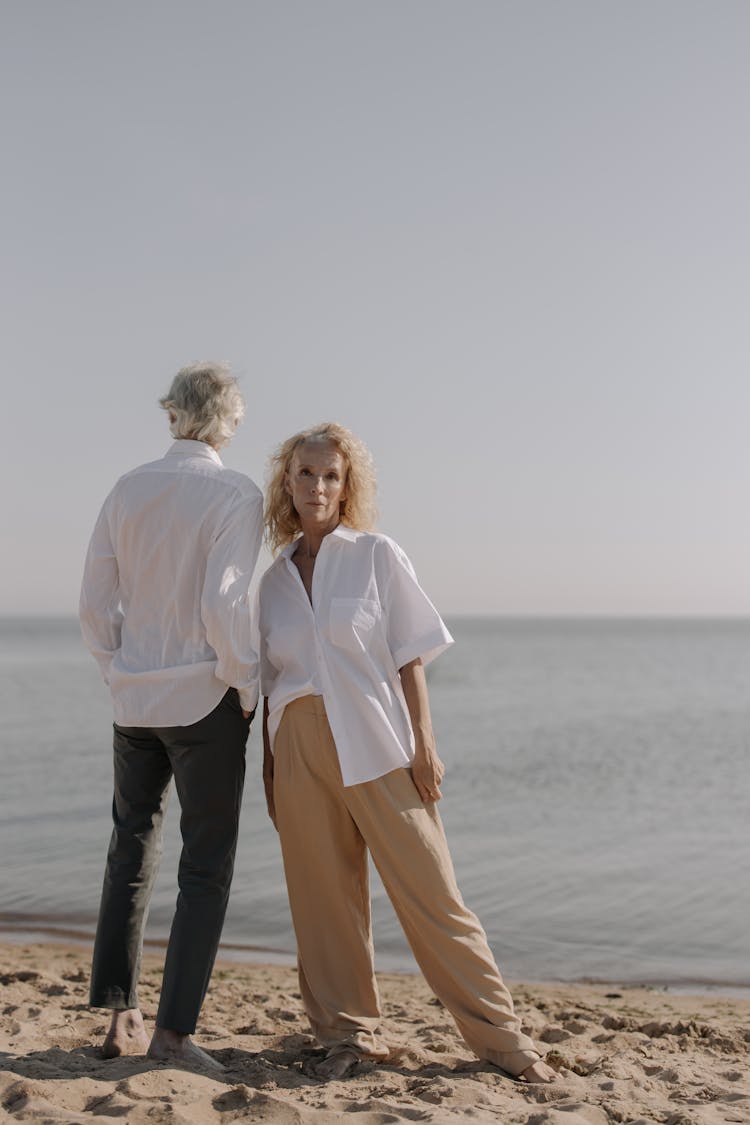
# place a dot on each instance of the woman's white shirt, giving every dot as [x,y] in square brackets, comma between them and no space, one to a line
[369,617]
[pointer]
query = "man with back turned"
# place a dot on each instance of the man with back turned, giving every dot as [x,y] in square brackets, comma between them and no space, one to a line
[165,611]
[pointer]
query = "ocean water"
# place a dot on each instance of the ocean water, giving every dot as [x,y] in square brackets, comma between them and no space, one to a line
[597,799]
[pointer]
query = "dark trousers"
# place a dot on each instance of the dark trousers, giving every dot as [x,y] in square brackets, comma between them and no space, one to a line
[207,760]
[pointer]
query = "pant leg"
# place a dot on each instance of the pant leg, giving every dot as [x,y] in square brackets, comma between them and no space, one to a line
[410,851]
[208,761]
[141,784]
[325,863]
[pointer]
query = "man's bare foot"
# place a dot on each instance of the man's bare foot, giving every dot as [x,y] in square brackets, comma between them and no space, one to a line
[338,1065]
[126,1035]
[173,1046]
[539,1072]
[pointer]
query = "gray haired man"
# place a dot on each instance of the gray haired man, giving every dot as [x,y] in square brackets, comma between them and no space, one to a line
[164,609]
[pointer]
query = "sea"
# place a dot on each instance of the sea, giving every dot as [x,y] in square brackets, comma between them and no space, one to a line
[596,800]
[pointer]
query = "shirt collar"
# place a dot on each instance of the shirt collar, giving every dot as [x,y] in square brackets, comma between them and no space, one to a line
[348,533]
[339,532]
[186,446]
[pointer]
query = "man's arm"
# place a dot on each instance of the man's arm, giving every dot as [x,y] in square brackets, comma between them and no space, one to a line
[225,602]
[99,607]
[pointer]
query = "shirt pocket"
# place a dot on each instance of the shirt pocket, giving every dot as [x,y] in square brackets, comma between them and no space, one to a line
[351,622]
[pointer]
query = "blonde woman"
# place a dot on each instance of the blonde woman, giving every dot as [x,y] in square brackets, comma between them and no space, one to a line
[350,763]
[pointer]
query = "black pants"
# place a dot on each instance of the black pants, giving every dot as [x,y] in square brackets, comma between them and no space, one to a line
[207,760]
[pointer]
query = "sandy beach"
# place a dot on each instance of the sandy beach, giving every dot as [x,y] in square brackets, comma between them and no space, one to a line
[623,1055]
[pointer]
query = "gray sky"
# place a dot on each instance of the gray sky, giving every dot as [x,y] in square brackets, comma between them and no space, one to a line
[507,243]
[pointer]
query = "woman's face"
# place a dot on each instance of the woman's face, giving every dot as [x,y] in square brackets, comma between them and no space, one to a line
[316,482]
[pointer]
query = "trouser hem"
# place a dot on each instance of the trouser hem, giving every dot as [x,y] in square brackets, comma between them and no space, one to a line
[366,1044]
[114,998]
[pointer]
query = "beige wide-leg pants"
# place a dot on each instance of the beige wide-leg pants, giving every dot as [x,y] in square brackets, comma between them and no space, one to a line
[325,831]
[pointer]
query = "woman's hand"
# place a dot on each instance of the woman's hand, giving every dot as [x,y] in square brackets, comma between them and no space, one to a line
[427,773]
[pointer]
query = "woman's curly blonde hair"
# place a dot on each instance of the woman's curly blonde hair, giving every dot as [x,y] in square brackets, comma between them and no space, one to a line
[357,511]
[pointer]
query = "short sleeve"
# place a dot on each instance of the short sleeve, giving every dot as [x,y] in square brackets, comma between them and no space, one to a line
[413,625]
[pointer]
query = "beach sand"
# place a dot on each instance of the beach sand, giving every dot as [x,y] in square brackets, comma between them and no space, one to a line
[623,1055]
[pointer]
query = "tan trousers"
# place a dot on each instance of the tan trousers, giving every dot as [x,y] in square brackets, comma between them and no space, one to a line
[325,831]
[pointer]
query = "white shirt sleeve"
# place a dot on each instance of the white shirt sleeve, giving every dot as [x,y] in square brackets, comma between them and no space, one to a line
[413,625]
[226,602]
[99,607]
[267,672]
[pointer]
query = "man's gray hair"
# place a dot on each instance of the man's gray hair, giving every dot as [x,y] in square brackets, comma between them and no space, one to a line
[204,403]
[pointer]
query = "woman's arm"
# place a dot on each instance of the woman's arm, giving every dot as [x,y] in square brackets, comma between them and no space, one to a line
[427,770]
[268,765]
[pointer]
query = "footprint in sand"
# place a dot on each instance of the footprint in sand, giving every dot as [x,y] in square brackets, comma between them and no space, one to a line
[20,977]
[260,1107]
[574,1114]
[27,1101]
[111,1105]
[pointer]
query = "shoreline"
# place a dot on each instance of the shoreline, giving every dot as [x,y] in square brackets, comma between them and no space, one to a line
[24,933]
[621,1054]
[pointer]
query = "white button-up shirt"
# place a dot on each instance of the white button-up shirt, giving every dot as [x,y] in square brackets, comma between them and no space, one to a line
[369,617]
[164,601]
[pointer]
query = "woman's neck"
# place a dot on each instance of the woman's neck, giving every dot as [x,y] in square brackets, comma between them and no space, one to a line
[312,538]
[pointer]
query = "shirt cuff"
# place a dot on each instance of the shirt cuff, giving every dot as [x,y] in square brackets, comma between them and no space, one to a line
[248,698]
[427,647]
[105,663]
